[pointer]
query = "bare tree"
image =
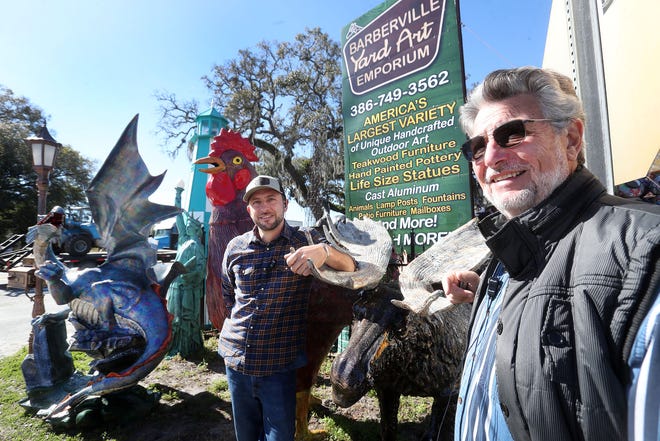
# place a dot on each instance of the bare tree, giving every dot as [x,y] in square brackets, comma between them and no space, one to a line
[286,98]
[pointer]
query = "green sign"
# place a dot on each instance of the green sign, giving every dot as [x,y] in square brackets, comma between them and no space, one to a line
[402,87]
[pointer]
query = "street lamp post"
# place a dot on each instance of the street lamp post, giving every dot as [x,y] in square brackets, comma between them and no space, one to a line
[44,149]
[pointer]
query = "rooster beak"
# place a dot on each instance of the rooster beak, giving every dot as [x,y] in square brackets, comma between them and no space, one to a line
[217,164]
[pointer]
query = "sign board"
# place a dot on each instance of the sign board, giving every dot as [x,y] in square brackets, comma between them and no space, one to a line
[402,87]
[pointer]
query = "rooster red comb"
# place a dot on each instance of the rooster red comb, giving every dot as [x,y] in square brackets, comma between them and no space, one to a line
[230,140]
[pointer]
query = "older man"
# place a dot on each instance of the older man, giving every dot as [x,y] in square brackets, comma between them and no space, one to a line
[573,274]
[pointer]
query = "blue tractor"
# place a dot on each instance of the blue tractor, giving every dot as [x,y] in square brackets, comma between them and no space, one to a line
[166,234]
[79,232]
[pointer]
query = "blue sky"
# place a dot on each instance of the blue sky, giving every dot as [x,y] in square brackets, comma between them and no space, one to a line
[92,65]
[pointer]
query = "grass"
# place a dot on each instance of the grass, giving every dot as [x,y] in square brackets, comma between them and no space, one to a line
[200,415]
[220,387]
[15,424]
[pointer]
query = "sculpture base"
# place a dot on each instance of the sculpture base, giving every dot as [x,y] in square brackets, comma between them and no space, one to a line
[96,411]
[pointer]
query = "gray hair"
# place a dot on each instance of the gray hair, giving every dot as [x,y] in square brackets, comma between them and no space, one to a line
[555,94]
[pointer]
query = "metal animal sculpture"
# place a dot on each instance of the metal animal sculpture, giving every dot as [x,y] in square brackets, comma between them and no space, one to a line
[332,297]
[396,352]
[118,308]
[413,348]
[329,311]
[231,170]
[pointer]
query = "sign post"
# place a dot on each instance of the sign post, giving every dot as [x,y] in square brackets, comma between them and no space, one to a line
[402,87]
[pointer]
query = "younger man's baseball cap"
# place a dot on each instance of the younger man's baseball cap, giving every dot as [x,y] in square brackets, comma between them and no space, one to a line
[261,182]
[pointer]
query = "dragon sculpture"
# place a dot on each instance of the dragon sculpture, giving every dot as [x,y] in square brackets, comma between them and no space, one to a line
[118,308]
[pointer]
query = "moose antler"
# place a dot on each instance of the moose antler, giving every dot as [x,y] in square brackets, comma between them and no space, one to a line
[367,241]
[462,249]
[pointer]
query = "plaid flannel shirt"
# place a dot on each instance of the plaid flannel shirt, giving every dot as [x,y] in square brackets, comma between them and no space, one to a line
[266,330]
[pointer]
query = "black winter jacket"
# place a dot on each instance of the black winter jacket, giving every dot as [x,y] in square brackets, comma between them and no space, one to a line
[583,269]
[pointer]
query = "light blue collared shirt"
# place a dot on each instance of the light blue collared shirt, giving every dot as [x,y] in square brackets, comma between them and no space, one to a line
[644,393]
[478,413]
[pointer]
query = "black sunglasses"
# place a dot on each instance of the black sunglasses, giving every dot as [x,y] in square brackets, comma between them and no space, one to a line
[509,134]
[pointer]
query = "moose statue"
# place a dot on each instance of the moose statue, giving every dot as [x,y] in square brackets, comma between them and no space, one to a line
[407,339]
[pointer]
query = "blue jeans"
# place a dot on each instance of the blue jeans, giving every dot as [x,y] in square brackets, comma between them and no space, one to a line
[264,408]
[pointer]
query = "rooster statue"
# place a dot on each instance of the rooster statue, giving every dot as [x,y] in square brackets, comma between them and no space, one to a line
[231,170]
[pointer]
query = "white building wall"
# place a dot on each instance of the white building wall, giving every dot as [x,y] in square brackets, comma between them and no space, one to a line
[630,37]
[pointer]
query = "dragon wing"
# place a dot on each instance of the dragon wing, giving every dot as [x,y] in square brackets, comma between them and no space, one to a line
[118,197]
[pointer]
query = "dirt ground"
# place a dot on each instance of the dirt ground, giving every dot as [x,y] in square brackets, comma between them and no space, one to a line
[194,405]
